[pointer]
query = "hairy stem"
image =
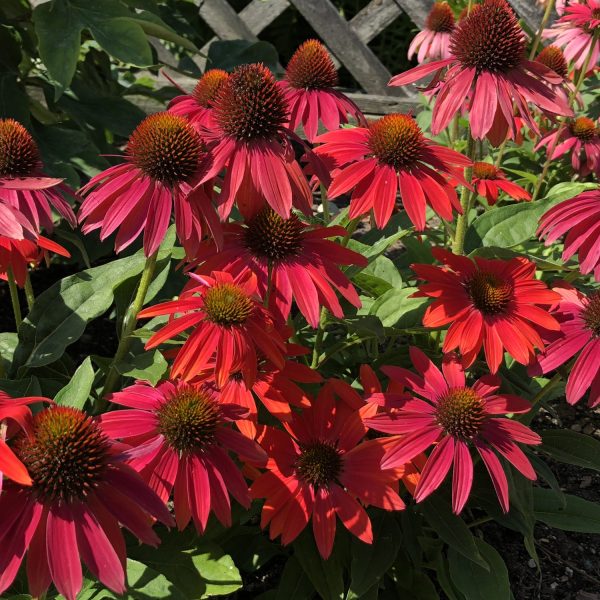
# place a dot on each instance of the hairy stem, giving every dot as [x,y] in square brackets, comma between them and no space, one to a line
[29,293]
[14,297]
[538,35]
[465,200]
[129,323]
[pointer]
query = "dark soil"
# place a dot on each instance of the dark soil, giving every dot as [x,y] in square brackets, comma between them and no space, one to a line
[570,562]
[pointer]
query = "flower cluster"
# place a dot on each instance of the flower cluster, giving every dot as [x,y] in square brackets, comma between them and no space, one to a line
[242,414]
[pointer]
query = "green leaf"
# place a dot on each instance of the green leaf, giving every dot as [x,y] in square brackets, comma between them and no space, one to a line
[397,309]
[452,530]
[19,388]
[58,52]
[576,515]
[62,312]
[122,38]
[155,26]
[294,584]
[145,583]
[8,343]
[475,582]
[78,390]
[572,448]
[325,575]
[545,472]
[228,54]
[378,277]
[198,568]
[148,366]
[370,562]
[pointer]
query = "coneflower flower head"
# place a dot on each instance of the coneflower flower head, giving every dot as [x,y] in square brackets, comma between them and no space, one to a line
[488,66]
[26,194]
[433,42]
[310,79]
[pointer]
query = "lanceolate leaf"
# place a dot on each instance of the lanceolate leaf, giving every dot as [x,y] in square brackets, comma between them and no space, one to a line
[77,391]
[575,515]
[572,448]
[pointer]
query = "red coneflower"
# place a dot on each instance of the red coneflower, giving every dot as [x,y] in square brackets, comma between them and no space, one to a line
[579,318]
[318,468]
[491,303]
[81,491]
[455,417]
[390,154]
[160,170]
[488,180]
[574,32]
[230,326]
[180,440]
[250,136]
[310,79]
[276,389]
[580,139]
[197,106]
[24,188]
[303,263]
[579,218]
[433,43]
[18,255]
[554,58]
[15,416]
[489,66]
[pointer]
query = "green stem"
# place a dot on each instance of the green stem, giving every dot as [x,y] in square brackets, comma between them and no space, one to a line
[29,293]
[319,339]
[572,97]
[480,521]
[469,6]
[14,297]
[465,200]
[129,323]
[352,225]
[538,35]
[325,205]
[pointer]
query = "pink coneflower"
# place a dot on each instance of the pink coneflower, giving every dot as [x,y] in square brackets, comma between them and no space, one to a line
[494,304]
[310,79]
[81,492]
[320,467]
[181,437]
[488,180]
[455,417]
[579,318]
[489,66]
[18,255]
[433,43]
[553,57]
[229,323]
[250,137]
[139,195]
[197,106]
[390,154]
[15,417]
[580,139]
[277,389]
[579,218]
[24,188]
[301,262]
[574,32]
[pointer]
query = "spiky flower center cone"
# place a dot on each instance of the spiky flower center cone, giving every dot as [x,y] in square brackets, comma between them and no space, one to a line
[166,148]
[311,67]
[227,304]
[583,129]
[188,419]
[250,105]
[66,456]
[490,294]
[553,58]
[319,464]
[19,154]
[591,313]
[272,237]
[208,86]
[440,18]
[396,140]
[489,38]
[461,412]
[483,170]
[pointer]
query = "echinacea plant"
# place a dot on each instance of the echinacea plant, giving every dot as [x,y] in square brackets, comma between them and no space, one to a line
[289,347]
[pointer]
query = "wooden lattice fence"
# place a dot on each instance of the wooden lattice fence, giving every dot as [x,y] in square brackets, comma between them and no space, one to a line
[348,41]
